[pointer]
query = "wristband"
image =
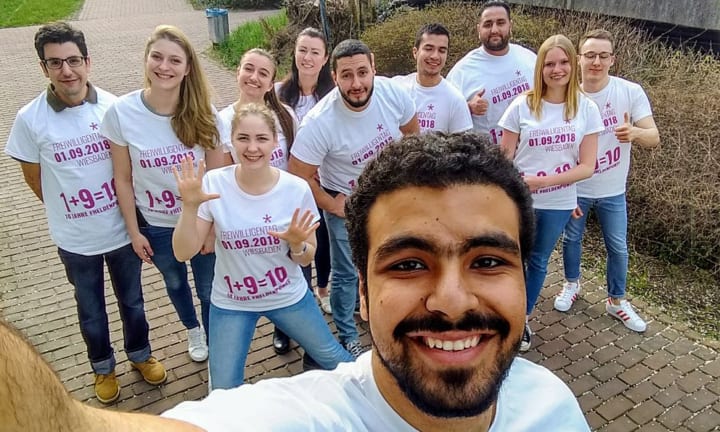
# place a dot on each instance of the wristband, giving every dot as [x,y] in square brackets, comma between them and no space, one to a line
[304,249]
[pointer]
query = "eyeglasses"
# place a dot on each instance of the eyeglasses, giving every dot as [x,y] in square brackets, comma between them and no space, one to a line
[591,55]
[57,63]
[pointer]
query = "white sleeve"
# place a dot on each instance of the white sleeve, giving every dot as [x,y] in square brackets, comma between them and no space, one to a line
[639,104]
[408,105]
[22,144]
[593,117]
[110,127]
[309,146]
[460,119]
[510,119]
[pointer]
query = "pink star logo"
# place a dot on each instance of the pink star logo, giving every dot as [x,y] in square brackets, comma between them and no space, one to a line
[267,218]
[607,105]
[93,126]
[518,73]
[431,107]
[379,127]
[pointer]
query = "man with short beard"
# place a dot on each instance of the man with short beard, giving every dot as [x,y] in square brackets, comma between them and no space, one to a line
[440,227]
[337,138]
[491,76]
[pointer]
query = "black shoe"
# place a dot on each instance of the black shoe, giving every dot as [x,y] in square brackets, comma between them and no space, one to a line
[309,363]
[525,342]
[281,342]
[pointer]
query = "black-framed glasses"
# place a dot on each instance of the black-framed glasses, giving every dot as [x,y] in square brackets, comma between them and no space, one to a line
[591,55]
[57,63]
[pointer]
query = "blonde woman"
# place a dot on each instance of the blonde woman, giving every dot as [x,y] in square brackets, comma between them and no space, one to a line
[152,130]
[551,134]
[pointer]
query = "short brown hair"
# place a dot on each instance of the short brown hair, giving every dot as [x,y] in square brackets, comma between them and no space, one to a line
[597,34]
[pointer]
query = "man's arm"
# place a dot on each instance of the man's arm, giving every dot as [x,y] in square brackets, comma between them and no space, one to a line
[411,128]
[31,172]
[32,398]
[643,133]
[323,199]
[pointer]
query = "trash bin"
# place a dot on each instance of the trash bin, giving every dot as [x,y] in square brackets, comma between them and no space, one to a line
[217,24]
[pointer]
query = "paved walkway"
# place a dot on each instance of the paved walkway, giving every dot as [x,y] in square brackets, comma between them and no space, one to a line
[665,380]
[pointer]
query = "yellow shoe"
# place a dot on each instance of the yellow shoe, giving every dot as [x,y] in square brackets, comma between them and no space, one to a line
[152,370]
[107,388]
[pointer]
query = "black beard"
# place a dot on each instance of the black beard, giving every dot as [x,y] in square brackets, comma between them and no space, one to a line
[358,104]
[499,46]
[456,397]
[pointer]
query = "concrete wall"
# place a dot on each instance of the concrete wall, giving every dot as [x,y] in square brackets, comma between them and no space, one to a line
[703,14]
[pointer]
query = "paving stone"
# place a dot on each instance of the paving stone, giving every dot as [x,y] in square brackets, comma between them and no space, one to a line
[708,420]
[674,417]
[645,412]
[669,396]
[699,400]
[642,392]
[611,388]
[693,381]
[659,359]
[615,407]
[687,363]
[636,374]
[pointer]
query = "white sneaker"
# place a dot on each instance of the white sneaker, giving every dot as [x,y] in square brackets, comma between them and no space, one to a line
[568,295]
[324,302]
[625,313]
[197,344]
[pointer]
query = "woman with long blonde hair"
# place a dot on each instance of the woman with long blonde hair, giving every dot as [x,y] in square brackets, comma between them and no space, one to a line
[551,135]
[151,131]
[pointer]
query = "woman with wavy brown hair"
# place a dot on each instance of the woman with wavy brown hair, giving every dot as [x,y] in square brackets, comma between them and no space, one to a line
[151,130]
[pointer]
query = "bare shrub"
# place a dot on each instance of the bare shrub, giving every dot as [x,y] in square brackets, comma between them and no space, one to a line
[674,190]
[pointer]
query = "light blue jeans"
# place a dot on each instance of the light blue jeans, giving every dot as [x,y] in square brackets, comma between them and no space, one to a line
[344,292]
[612,214]
[231,333]
[549,225]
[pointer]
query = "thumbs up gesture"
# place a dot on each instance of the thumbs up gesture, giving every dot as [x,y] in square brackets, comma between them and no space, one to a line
[478,105]
[624,132]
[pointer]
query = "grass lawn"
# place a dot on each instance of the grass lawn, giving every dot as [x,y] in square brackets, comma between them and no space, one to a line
[252,34]
[18,13]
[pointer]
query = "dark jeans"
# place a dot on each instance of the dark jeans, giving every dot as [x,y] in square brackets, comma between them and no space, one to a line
[85,273]
[175,275]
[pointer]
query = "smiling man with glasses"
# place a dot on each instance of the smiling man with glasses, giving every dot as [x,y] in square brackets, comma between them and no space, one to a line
[66,163]
[628,119]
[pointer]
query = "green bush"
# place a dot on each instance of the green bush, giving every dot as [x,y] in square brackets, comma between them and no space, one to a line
[237,4]
[673,191]
[252,34]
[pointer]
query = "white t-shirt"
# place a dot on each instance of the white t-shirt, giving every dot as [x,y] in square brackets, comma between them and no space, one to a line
[613,160]
[280,155]
[550,145]
[503,77]
[75,172]
[531,399]
[341,141]
[154,150]
[304,103]
[253,271]
[440,108]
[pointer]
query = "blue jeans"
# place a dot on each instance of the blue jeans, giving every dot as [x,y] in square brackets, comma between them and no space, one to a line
[612,213]
[344,292]
[175,275]
[231,333]
[85,273]
[549,225]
